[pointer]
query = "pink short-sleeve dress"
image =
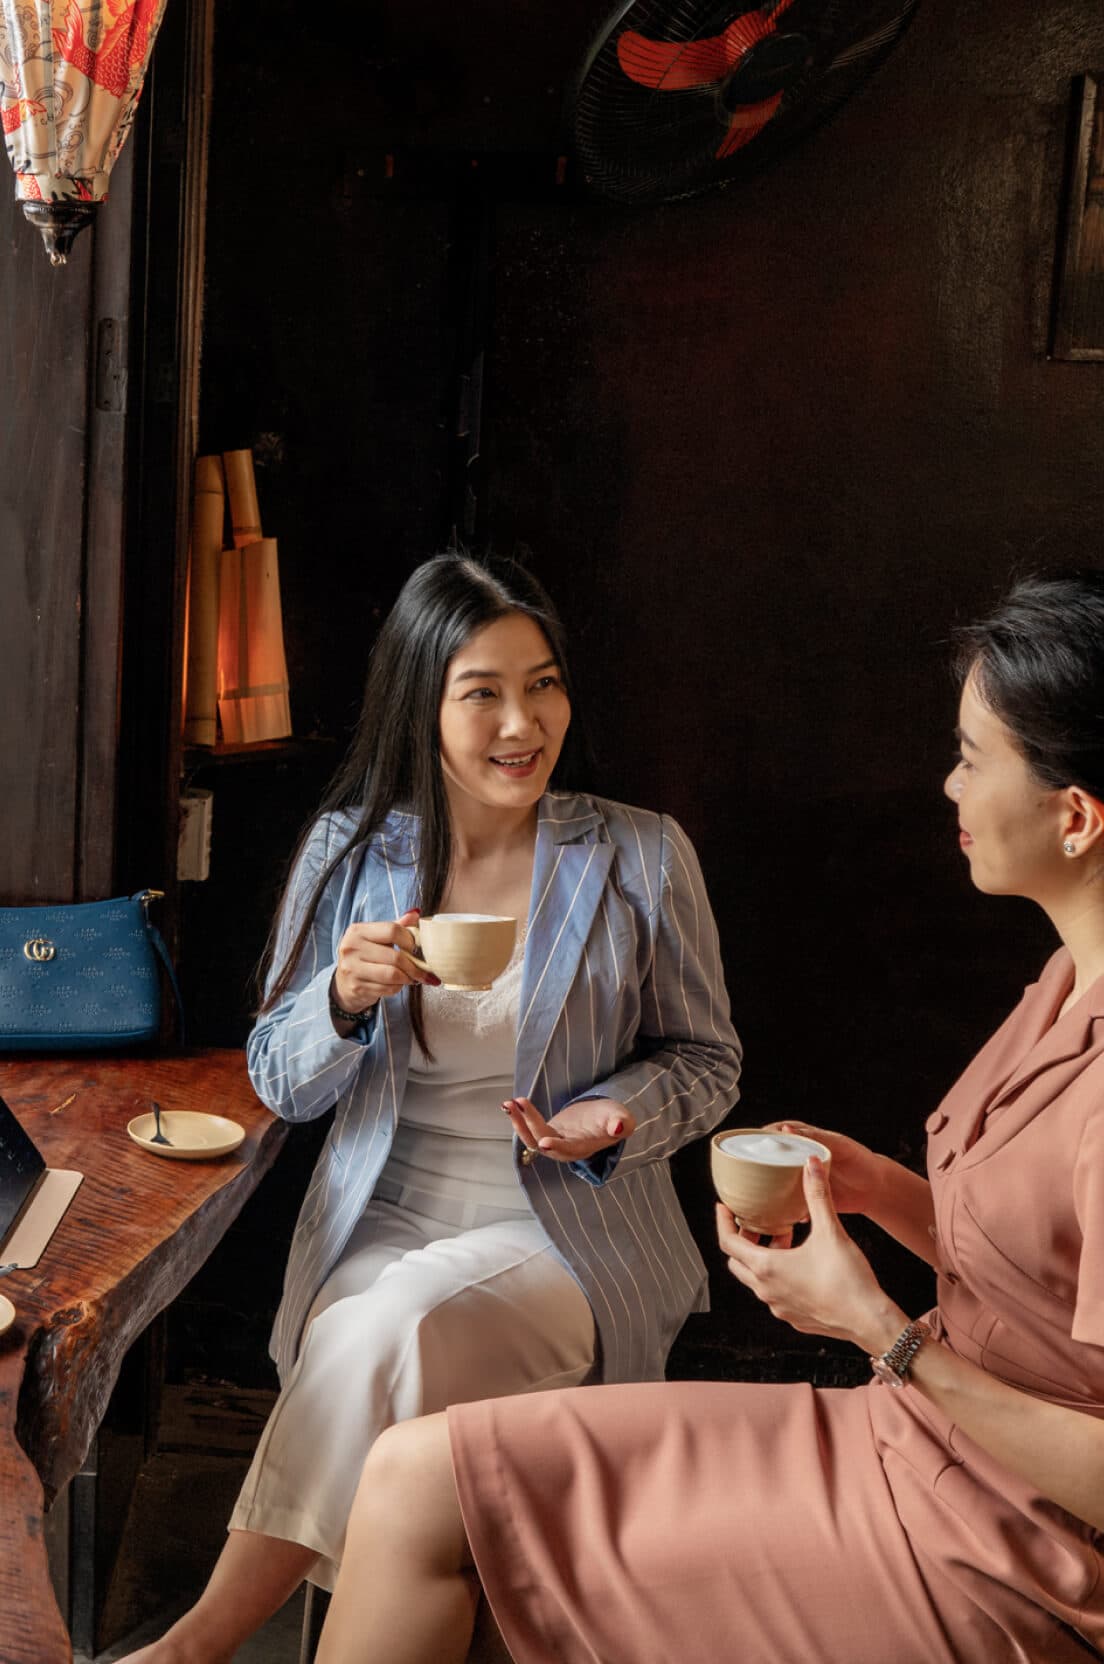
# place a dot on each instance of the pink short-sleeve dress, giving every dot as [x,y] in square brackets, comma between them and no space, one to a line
[688,1523]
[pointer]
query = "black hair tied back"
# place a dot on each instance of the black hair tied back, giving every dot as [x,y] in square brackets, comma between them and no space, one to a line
[1038,663]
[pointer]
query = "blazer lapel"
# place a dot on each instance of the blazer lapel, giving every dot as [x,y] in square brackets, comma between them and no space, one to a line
[570,865]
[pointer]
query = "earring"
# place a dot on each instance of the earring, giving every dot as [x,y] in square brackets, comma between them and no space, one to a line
[1069,847]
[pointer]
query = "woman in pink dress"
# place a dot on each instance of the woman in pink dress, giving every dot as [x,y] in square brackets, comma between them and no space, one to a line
[950,1512]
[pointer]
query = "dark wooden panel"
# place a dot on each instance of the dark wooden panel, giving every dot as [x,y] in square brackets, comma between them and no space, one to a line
[63,436]
[44,316]
[105,536]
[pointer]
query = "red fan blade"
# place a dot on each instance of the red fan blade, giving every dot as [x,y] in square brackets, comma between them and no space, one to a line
[747,123]
[675,66]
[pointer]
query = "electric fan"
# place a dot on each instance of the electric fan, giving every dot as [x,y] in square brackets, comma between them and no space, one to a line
[676,96]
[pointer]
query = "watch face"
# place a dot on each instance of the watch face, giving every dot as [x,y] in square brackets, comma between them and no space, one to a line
[886,1373]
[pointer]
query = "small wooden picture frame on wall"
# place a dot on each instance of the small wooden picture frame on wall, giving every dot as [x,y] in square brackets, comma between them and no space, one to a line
[1079,300]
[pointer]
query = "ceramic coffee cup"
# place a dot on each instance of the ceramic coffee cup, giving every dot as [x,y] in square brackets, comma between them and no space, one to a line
[466,950]
[758,1175]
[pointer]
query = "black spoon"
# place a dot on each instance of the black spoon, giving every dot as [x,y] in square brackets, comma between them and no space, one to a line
[158,1137]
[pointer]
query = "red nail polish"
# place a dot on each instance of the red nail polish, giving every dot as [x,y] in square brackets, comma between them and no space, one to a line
[618,1128]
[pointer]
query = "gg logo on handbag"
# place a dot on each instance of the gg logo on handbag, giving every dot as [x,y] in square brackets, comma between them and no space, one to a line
[40,949]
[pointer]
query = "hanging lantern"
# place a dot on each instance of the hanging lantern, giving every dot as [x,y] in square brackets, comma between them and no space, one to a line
[70,77]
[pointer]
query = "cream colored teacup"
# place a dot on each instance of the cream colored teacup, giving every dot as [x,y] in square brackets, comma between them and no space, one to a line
[466,950]
[757,1174]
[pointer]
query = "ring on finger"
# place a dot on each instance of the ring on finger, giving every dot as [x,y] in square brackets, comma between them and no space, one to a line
[529,1155]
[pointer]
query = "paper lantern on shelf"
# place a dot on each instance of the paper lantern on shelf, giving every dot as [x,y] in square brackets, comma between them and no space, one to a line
[241,488]
[202,609]
[252,669]
[71,72]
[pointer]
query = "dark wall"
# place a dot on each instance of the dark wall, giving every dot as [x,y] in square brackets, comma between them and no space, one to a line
[765,447]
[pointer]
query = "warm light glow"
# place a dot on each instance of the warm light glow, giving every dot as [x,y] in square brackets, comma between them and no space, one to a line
[252,669]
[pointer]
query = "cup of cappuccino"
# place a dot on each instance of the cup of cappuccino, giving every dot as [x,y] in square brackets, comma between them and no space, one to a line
[466,950]
[758,1175]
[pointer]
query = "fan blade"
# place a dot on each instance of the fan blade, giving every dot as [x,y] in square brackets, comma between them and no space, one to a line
[747,123]
[675,66]
[864,48]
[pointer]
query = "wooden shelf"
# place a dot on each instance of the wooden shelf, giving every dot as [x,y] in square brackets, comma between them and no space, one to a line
[198,757]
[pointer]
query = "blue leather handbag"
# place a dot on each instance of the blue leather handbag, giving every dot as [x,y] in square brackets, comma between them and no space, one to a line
[82,977]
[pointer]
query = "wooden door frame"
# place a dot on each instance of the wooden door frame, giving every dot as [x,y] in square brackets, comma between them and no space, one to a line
[167,276]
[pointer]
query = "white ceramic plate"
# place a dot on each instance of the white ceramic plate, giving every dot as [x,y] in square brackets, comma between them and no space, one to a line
[7,1314]
[192,1136]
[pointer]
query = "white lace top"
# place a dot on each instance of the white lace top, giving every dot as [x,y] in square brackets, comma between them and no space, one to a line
[453,1140]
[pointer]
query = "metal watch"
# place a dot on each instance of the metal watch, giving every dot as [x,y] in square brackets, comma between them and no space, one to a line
[894,1364]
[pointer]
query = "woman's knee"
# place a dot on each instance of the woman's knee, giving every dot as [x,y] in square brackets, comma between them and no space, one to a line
[408,1486]
[409,1455]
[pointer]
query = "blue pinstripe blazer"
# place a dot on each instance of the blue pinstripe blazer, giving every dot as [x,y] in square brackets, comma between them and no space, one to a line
[622,997]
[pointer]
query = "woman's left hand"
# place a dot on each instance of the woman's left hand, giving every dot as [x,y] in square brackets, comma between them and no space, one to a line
[823,1287]
[579,1130]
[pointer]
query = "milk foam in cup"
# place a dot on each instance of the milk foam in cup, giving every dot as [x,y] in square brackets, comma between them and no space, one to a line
[777,1148]
[759,1175]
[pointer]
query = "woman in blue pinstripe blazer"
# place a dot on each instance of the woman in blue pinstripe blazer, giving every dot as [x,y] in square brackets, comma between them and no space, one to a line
[546,1245]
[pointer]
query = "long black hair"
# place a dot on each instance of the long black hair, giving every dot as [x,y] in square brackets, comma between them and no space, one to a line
[1038,663]
[395,758]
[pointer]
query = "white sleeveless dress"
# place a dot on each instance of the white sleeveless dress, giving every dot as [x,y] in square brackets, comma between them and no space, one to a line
[448,1290]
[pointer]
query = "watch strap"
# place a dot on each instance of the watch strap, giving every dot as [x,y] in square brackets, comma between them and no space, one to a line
[893,1365]
[348,1016]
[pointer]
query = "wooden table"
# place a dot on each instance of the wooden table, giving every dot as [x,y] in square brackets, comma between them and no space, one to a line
[136,1231]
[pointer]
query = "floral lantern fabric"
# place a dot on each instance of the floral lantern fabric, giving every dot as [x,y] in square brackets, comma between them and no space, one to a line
[71,72]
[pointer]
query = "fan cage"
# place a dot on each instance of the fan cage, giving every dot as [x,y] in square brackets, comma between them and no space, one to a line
[641,144]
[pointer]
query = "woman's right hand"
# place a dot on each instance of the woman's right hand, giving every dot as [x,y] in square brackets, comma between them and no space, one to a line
[855,1169]
[368,966]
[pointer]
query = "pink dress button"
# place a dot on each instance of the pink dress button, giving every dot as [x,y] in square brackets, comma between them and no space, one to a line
[936,1121]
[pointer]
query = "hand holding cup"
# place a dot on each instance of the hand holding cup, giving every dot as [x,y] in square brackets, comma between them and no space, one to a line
[374,961]
[856,1169]
[824,1287]
[757,1173]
